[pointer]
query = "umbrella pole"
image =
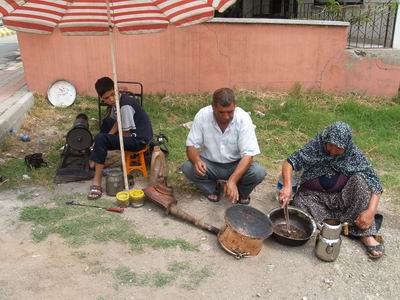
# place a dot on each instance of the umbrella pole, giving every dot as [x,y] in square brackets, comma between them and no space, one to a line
[114,70]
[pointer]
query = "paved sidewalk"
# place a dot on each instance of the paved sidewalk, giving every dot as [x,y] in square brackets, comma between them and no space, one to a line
[15,100]
[10,82]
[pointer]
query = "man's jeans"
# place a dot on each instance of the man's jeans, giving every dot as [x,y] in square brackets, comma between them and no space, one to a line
[218,171]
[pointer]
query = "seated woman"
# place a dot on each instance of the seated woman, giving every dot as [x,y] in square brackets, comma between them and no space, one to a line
[338,182]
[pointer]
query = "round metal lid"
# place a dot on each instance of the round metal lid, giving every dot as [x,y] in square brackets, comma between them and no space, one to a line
[79,139]
[61,93]
[248,221]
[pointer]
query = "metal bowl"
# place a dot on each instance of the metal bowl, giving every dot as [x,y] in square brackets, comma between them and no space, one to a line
[297,218]
[61,93]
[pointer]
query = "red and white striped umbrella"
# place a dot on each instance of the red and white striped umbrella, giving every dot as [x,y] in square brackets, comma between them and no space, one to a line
[89,17]
[99,17]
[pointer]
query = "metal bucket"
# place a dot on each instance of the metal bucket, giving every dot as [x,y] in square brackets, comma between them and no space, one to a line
[114,182]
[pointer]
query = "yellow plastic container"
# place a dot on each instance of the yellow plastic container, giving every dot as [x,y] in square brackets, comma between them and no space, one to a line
[136,198]
[123,199]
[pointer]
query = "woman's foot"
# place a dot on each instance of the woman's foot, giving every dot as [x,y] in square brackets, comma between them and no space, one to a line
[373,247]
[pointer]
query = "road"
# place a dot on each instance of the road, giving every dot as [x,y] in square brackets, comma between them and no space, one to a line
[9,52]
[11,70]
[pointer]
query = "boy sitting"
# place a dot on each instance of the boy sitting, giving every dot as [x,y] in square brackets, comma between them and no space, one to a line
[136,127]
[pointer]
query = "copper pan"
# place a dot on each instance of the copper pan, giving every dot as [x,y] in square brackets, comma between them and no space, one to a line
[245,230]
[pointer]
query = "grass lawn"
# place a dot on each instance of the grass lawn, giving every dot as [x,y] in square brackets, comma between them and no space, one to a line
[78,226]
[285,121]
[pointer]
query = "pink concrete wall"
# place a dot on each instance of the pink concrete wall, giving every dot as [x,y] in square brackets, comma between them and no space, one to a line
[208,56]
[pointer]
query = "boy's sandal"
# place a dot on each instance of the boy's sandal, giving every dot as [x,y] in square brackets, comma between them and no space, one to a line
[377,248]
[95,192]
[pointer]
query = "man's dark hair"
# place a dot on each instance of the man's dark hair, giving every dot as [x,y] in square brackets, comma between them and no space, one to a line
[223,97]
[103,85]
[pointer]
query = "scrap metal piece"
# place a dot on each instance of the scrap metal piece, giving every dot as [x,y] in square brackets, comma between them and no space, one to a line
[164,196]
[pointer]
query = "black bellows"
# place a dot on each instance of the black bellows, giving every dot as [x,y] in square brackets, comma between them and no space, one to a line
[79,137]
[74,164]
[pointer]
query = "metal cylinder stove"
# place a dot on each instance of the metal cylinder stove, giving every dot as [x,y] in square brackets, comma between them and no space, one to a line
[328,241]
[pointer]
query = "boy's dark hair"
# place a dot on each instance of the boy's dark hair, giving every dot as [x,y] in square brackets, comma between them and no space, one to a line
[223,97]
[104,85]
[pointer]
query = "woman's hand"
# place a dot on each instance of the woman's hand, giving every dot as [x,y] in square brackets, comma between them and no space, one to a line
[231,191]
[365,219]
[285,195]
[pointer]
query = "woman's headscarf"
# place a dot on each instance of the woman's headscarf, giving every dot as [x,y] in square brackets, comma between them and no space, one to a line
[316,161]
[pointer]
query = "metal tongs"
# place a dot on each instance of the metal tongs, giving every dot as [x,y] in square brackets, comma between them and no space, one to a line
[119,210]
[286,212]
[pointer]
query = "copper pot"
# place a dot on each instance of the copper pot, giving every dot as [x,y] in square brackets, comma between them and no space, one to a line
[244,231]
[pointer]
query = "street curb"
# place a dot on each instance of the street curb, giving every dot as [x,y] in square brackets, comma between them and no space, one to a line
[5,32]
[13,111]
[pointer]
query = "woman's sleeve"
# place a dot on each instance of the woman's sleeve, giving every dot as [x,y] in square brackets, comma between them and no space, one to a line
[366,170]
[307,155]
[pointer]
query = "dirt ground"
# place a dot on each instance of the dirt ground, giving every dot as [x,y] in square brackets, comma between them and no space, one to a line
[51,269]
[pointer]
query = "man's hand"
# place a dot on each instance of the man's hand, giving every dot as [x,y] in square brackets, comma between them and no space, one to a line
[231,191]
[365,219]
[285,195]
[200,168]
